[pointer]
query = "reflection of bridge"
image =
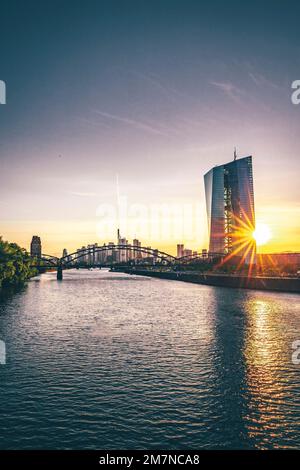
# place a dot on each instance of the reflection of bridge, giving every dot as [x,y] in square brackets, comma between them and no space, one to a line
[112,255]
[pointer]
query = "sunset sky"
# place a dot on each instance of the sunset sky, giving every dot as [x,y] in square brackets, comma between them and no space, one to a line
[128,103]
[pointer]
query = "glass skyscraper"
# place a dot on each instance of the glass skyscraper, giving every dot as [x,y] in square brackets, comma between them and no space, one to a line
[230,208]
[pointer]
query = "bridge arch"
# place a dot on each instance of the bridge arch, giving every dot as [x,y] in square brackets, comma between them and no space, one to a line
[51,260]
[71,260]
[73,257]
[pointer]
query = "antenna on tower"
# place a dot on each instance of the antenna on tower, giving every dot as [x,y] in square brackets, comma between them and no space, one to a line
[234,154]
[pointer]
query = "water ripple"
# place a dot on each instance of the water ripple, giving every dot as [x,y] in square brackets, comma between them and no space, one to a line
[106,360]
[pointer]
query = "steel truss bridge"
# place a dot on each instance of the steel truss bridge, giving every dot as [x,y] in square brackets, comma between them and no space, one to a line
[113,256]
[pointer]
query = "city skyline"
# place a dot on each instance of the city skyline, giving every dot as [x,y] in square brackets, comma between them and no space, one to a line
[172,247]
[151,94]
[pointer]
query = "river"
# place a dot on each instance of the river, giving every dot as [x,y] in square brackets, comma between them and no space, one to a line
[107,360]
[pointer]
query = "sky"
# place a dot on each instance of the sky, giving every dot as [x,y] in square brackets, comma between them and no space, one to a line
[116,109]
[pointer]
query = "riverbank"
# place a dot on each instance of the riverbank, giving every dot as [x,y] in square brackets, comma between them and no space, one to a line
[222,280]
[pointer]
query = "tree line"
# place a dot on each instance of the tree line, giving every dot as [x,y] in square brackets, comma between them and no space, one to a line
[15,264]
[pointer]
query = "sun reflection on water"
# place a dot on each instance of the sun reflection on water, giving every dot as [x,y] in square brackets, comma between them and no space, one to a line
[265,352]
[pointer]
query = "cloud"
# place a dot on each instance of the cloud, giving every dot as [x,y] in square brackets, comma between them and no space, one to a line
[133,123]
[82,194]
[166,89]
[230,90]
[260,80]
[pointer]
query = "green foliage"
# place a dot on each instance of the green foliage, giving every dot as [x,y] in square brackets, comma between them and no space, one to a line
[15,264]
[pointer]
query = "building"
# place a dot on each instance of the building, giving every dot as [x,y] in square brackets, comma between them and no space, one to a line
[67,258]
[91,254]
[123,251]
[137,254]
[230,208]
[102,255]
[111,255]
[279,260]
[81,256]
[180,249]
[36,246]
[187,253]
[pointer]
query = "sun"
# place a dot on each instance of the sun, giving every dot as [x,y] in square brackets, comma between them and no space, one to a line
[262,234]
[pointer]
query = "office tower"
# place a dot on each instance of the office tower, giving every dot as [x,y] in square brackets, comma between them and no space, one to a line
[112,254]
[180,249]
[187,253]
[122,254]
[123,251]
[78,257]
[230,208]
[36,246]
[83,255]
[96,253]
[102,256]
[137,254]
[67,258]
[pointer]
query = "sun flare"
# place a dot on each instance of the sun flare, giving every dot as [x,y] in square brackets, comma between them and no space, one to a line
[262,234]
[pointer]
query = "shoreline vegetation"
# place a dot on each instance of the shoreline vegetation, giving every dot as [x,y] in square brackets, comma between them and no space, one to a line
[15,265]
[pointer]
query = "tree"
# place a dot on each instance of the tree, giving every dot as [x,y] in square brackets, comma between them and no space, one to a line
[15,264]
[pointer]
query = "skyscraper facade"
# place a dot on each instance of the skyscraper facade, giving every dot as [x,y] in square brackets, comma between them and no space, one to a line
[230,208]
[36,246]
[180,248]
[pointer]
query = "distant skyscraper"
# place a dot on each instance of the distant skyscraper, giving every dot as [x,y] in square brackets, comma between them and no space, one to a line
[36,246]
[187,252]
[111,254]
[136,253]
[123,251]
[180,248]
[230,208]
[84,256]
[65,255]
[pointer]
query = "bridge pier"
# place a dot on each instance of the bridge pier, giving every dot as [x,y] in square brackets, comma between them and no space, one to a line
[59,273]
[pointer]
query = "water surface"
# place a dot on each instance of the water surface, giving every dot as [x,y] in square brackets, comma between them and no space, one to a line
[107,360]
